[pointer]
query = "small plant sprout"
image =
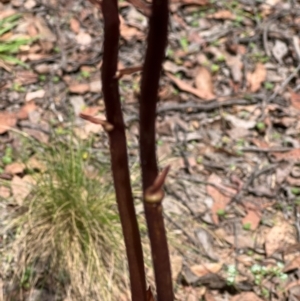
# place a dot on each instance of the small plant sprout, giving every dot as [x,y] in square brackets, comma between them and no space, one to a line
[232,272]
[55,79]
[261,272]
[9,47]
[221,212]
[184,43]
[18,87]
[42,77]
[247,226]
[85,74]
[199,160]
[260,126]
[295,190]
[7,158]
[220,58]
[215,68]
[268,86]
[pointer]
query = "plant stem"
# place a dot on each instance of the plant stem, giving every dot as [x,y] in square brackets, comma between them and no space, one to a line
[118,150]
[157,41]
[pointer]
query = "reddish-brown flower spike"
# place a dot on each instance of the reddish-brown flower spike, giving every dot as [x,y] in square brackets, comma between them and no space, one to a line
[155,193]
[150,296]
[108,127]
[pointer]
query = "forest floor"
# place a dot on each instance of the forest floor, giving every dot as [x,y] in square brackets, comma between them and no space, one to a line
[228,122]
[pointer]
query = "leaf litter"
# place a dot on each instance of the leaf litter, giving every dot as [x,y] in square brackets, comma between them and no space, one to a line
[251,220]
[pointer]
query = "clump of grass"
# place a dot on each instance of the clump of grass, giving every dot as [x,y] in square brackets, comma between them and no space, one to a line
[69,238]
[10,46]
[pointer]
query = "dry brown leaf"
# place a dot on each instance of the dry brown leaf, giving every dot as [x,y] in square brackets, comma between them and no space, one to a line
[279,237]
[142,6]
[182,85]
[83,38]
[74,25]
[34,163]
[4,193]
[25,110]
[295,100]
[21,187]
[192,296]
[201,270]
[44,31]
[204,84]
[260,143]
[292,265]
[293,181]
[292,155]
[14,168]
[236,65]
[26,77]
[248,296]
[96,86]
[222,14]
[252,218]
[7,121]
[256,78]
[35,94]
[176,266]
[241,241]
[37,134]
[209,296]
[7,13]
[220,198]
[79,88]
[129,70]
[191,2]
[91,110]
[128,32]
